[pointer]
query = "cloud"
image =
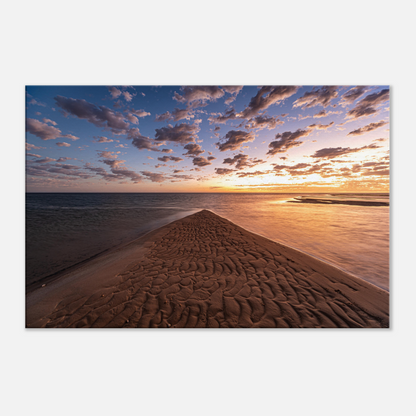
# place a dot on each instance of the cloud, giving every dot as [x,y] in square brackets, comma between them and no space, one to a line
[220,118]
[318,96]
[63,144]
[32,146]
[141,142]
[33,155]
[47,120]
[127,96]
[256,173]
[353,94]
[102,139]
[321,126]
[182,133]
[241,161]
[201,161]
[139,113]
[100,116]
[199,94]
[115,92]
[332,152]
[234,140]
[193,149]
[45,160]
[70,136]
[108,155]
[166,150]
[324,113]
[34,102]
[223,171]
[154,177]
[176,115]
[169,158]
[369,104]
[266,97]
[287,140]
[63,159]
[367,128]
[234,91]
[42,130]
[263,122]
[178,171]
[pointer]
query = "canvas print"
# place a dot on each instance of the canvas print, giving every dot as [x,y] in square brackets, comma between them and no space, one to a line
[207,206]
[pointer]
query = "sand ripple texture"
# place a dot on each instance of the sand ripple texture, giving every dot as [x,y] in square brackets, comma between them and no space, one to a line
[206,272]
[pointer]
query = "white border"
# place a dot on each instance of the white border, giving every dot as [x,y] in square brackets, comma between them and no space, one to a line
[207,372]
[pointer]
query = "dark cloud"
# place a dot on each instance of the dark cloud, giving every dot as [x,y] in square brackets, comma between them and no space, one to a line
[223,171]
[100,116]
[242,161]
[321,126]
[219,118]
[263,122]
[199,94]
[176,115]
[248,174]
[318,96]
[102,139]
[234,91]
[234,140]
[154,177]
[287,140]
[353,94]
[141,142]
[193,149]
[367,128]
[169,158]
[201,161]
[180,133]
[45,160]
[42,130]
[369,104]
[266,97]
[166,150]
[332,152]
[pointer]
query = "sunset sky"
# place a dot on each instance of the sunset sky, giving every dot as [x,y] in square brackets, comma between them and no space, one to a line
[207,138]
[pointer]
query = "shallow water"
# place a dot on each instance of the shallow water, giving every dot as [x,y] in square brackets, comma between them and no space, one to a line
[63,229]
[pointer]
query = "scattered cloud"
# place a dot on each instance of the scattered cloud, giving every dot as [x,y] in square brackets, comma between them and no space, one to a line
[201,161]
[242,161]
[102,139]
[318,96]
[332,152]
[193,149]
[234,139]
[266,97]
[100,116]
[367,128]
[169,158]
[180,133]
[287,140]
[369,104]
[223,171]
[63,144]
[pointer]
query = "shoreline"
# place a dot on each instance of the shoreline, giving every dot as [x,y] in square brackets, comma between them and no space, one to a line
[251,260]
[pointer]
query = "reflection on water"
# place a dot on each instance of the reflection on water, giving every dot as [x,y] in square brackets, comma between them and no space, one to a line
[63,229]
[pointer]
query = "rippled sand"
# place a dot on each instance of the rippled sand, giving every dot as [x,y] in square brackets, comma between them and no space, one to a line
[203,271]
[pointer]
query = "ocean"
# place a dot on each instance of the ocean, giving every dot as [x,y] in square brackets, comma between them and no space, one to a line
[63,229]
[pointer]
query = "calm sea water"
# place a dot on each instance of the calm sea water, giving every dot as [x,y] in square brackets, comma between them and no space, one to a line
[64,229]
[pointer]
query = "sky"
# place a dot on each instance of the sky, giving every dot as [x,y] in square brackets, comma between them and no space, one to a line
[207,138]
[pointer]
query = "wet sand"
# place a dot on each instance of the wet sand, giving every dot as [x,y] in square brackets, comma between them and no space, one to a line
[205,271]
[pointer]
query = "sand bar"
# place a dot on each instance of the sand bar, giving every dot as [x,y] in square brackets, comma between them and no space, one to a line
[204,271]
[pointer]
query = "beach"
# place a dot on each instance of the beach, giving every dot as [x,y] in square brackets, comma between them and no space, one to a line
[204,271]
